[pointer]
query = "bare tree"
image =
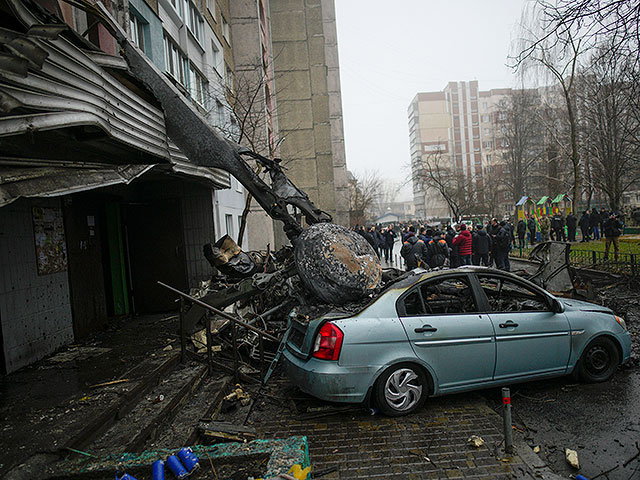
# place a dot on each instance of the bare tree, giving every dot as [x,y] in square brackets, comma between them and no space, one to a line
[610,126]
[456,187]
[613,23]
[522,140]
[244,118]
[365,189]
[554,56]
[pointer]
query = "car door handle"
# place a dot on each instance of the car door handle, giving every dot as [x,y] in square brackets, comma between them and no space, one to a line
[508,324]
[426,328]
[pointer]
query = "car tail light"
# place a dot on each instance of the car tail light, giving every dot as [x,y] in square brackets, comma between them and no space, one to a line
[328,342]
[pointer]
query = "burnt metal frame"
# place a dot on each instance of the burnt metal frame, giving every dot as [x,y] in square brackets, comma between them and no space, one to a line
[234,324]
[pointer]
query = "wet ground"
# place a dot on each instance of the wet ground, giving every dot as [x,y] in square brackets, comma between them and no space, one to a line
[40,402]
[600,421]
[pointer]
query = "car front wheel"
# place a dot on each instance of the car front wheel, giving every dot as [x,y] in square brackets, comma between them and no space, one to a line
[599,361]
[401,390]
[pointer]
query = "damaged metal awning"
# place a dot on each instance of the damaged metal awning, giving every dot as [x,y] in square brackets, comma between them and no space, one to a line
[49,179]
[16,182]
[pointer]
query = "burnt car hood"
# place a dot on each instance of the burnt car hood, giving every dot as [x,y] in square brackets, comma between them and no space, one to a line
[579,305]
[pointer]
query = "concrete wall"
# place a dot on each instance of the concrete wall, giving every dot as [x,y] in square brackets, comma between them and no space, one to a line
[35,310]
[335,113]
[309,114]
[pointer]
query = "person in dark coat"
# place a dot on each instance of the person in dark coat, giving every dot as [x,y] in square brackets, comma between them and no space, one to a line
[480,246]
[389,240]
[492,230]
[572,222]
[501,247]
[531,225]
[438,250]
[414,251]
[368,236]
[522,233]
[594,224]
[604,216]
[612,231]
[463,241]
[584,226]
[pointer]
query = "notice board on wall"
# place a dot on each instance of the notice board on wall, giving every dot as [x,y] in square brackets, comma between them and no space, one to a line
[51,247]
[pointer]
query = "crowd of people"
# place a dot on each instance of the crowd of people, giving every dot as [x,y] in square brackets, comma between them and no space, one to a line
[426,246]
[487,244]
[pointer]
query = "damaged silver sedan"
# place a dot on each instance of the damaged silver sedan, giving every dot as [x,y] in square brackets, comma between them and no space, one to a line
[439,332]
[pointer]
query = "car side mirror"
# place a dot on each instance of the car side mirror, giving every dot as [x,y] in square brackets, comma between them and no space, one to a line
[558,306]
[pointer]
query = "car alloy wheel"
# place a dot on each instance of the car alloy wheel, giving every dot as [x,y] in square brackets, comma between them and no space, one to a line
[599,361]
[401,390]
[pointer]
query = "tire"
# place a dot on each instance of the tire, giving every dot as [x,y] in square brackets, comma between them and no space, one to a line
[599,361]
[401,390]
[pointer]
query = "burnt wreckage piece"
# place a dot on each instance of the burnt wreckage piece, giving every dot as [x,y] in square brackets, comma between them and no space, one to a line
[204,146]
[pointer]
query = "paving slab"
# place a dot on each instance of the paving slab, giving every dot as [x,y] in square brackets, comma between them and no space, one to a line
[431,443]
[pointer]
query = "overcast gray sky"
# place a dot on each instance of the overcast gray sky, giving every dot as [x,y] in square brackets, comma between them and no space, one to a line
[389,51]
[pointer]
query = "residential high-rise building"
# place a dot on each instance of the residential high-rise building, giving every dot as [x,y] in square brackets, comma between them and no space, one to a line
[458,126]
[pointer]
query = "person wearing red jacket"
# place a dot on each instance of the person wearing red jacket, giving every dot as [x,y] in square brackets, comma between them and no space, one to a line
[464,241]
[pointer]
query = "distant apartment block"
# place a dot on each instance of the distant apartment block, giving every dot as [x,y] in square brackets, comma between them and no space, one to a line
[457,124]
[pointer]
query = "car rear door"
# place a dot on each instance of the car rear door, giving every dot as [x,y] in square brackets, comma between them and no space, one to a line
[448,331]
[531,339]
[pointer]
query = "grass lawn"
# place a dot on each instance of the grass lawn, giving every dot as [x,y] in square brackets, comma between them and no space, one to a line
[627,244]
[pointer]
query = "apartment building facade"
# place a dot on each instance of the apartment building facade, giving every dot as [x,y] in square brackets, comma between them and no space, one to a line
[458,126]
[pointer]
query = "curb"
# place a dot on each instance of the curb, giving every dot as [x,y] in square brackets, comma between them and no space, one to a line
[538,468]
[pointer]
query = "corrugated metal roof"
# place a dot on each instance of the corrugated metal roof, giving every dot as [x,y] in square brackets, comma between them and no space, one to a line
[66,87]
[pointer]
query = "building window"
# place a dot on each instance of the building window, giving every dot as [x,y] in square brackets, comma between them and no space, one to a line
[228,77]
[195,22]
[484,105]
[228,220]
[178,6]
[198,87]
[225,31]
[220,112]
[488,157]
[487,131]
[485,118]
[215,57]
[176,62]
[211,6]
[136,30]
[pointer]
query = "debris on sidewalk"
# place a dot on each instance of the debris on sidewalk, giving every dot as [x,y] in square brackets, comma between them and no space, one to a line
[215,432]
[239,395]
[572,458]
[475,441]
[106,384]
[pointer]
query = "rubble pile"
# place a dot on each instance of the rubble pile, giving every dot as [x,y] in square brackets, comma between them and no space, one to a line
[265,289]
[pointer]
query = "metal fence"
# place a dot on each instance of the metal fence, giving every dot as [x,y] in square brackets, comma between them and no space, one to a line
[624,263]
